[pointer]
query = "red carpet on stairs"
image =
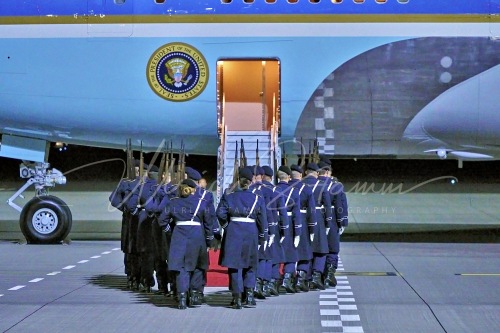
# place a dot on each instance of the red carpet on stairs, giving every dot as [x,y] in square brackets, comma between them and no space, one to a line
[216,275]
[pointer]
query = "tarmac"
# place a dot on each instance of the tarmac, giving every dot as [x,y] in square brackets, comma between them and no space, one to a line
[383,287]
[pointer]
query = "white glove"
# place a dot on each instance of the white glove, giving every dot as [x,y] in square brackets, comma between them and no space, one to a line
[341,230]
[282,239]
[258,247]
[296,241]
[327,231]
[265,245]
[311,236]
[271,240]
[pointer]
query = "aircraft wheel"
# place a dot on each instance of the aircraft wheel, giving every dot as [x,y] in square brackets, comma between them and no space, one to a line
[45,220]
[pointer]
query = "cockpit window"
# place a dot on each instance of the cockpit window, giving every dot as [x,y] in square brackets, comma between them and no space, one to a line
[119,2]
[160,1]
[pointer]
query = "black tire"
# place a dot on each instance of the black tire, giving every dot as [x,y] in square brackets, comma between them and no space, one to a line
[45,220]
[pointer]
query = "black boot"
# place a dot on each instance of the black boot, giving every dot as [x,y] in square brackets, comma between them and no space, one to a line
[316,282]
[271,288]
[287,283]
[277,284]
[236,302]
[182,301]
[265,289]
[301,285]
[250,300]
[194,298]
[330,280]
[259,289]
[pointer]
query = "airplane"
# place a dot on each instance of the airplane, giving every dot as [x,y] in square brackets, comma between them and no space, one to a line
[363,78]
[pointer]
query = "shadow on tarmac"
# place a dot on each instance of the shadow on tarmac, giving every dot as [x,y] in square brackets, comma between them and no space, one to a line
[119,282]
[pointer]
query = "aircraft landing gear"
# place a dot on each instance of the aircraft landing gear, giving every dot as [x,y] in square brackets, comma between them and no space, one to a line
[45,219]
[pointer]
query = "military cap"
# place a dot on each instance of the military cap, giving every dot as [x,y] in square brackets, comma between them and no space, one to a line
[189,182]
[285,169]
[259,170]
[297,168]
[268,171]
[312,166]
[325,160]
[137,164]
[324,165]
[192,174]
[246,173]
[153,168]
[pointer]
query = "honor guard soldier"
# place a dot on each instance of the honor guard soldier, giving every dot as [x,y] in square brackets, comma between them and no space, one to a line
[187,216]
[242,215]
[263,269]
[338,223]
[308,212]
[323,219]
[199,278]
[142,195]
[291,240]
[118,200]
[133,225]
[278,224]
[159,240]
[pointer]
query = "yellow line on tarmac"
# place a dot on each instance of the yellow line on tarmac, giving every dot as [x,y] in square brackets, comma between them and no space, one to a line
[478,274]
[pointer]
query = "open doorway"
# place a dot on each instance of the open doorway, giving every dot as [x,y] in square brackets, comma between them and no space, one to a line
[248,94]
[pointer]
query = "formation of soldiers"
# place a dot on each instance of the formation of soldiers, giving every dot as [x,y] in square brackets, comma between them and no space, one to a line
[283,237]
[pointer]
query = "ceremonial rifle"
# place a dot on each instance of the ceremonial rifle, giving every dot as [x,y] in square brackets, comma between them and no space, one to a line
[257,159]
[302,155]
[243,157]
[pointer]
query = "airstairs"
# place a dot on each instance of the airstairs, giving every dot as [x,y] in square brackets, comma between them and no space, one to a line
[250,147]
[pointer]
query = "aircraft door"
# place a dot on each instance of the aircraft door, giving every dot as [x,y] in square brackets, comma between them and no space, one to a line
[248,94]
[99,14]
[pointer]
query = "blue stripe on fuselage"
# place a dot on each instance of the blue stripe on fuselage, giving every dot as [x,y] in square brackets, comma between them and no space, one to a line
[10,8]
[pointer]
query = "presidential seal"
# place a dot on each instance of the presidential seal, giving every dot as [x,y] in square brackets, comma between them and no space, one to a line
[177,72]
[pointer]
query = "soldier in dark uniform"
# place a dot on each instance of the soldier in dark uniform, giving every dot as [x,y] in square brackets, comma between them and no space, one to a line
[291,240]
[308,212]
[188,216]
[160,254]
[118,200]
[277,214]
[339,221]
[199,278]
[163,194]
[142,195]
[323,218]
[263,275]
[133,225]
[242,215]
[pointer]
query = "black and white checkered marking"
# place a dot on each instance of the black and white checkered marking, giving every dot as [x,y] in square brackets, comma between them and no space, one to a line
[338,310]
[324,126]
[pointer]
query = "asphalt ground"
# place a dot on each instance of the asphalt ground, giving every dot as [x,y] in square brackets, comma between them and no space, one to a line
[383,287]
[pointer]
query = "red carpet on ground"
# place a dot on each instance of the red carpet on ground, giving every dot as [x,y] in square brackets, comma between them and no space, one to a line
[216,275]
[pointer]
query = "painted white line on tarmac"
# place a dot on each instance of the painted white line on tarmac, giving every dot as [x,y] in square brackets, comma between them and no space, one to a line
[95,257]
[36,280]
[83,261]
[69,267]
[116,249]
[106,252]
[16,287]
[54,273]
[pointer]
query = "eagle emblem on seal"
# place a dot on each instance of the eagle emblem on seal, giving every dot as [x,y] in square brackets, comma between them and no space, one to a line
[177,69]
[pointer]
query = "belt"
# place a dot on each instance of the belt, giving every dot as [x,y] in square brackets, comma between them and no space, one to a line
[287,213]
[242,219]
[322,207]
[303,211]
[187,223]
